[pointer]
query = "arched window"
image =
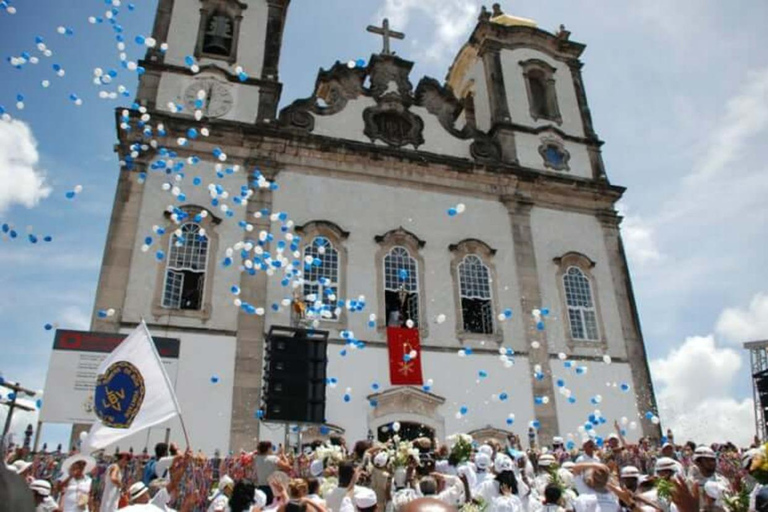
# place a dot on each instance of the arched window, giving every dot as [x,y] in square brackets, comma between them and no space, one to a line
[401,287]
[582,314]
[219,35]
[321,278]
[185,269]
[536,82]
[540,84]
[475,292]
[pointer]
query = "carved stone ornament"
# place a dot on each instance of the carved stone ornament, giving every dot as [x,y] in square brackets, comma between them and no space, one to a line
[390,122]
[334,88]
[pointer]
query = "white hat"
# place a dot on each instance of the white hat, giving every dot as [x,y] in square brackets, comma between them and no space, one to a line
[557,440]
[630,472]
[364,497]
[226,481]
[259,499]
[486,449]
[704,452]
[503,463]
[547,460]
[90,463]
[380,460]
[569,465]
[587,440]
[145,507]
[482,460]
[665,464]
[136,490]
[41,487]
[20,466]
[747,456]
[613,436]
[667,445]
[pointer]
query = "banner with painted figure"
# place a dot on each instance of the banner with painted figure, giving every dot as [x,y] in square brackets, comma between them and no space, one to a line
[404,357]
[132,392]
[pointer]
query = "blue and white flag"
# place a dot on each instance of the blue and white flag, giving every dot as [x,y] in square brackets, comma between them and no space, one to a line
[132,392]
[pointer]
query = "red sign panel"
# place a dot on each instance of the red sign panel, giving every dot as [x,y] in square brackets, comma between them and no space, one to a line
[404,357]
[85,341]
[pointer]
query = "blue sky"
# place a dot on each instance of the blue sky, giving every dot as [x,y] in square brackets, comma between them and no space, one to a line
[678,90]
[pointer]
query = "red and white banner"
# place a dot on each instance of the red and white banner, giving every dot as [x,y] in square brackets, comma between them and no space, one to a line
[404,368]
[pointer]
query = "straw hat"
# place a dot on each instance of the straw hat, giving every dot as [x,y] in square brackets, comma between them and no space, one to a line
[90,463]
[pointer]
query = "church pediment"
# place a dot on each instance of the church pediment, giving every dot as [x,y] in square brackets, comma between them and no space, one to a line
[388,110]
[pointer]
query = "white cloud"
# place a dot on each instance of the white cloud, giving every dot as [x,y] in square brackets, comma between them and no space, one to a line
[739,325]
[746,115]
[694,384]
[21,182]
[452,21]
[639,240]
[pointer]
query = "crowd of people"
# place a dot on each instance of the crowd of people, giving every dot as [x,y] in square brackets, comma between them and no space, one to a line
[404,475]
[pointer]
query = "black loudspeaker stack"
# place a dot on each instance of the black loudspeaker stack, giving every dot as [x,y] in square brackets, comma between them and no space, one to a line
[294,375]
[761,383]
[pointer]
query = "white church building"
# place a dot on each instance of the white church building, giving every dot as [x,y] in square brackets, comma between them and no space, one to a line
[476,210]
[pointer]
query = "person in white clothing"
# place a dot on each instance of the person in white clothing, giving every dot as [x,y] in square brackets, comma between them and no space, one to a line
[592,482]
[347,479]
[220,500]
[113,483]
[589,455]
[41,490]
[139,494]
[75,485]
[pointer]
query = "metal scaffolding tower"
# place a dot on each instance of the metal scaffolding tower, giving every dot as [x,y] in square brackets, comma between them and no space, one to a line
[758,358]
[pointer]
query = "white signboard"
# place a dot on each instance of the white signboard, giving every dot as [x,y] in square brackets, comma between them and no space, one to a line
[72,372]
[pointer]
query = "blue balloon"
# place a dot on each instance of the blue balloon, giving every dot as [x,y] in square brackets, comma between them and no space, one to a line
[503,396]
[510,421]
[508,313]
[463,410]
[214,379]
[347,398]
[452,211]
[48,327]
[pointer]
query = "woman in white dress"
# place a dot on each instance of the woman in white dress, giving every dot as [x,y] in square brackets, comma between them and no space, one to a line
[75,485]
[114,483]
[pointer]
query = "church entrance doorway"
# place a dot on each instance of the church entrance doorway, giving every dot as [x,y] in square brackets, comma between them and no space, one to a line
[408,431]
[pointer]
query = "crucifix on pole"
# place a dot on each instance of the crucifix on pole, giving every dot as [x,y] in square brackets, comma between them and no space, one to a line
[386,34]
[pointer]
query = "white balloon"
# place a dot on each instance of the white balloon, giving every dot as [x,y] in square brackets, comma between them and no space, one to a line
[440,318]
[396,426]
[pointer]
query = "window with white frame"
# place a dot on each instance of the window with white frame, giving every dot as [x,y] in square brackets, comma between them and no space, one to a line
[475,293]
[582,315]
[321,278]
[401,287]
[185,269]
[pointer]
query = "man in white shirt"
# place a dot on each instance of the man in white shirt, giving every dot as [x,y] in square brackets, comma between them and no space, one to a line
[594,494]
[347,480]
[589,455]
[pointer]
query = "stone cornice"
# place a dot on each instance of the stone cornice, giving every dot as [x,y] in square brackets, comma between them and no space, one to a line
[226,74]
[260,142]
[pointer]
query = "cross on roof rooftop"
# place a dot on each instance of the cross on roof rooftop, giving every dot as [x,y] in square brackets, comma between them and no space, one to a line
[386,34]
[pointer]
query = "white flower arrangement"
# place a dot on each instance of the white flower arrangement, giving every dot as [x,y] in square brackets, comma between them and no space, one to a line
[329,454]
[401,452]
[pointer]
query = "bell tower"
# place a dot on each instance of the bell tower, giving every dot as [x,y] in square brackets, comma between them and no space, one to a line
[220,59]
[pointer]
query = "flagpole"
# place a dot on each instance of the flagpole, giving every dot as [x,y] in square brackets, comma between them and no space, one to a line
[167,382]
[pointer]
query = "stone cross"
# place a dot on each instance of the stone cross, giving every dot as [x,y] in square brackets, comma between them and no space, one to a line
[386,34]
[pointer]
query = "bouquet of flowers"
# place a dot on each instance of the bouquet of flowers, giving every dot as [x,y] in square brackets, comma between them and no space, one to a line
[331,455]
[401,452]
[461,447]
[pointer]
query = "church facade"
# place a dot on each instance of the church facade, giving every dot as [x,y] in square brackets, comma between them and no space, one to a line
[474,211]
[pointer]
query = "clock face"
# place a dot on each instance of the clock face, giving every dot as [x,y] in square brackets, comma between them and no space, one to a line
[215,98]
